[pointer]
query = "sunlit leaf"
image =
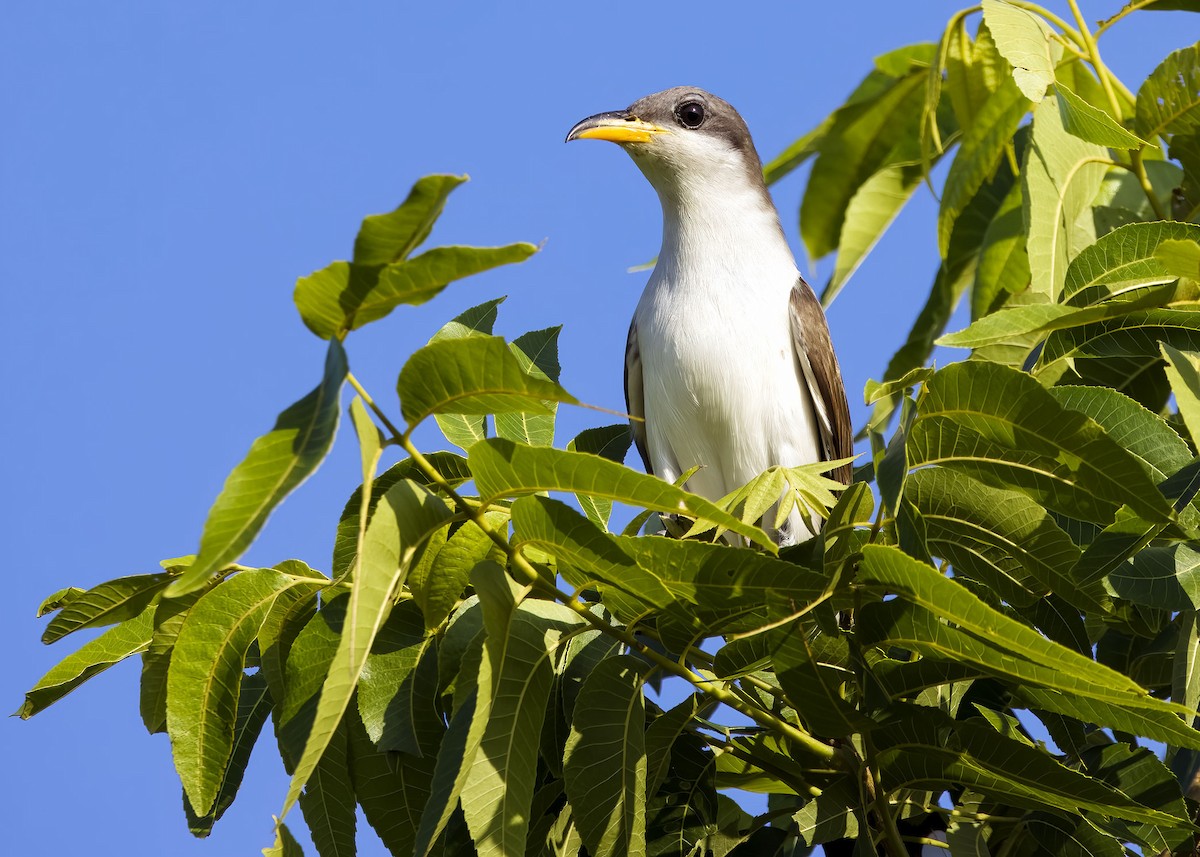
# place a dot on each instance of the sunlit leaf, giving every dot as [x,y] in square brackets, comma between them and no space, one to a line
[92,658]
[1124,259]
[106,604]
[276,464]
[386,238]
[1060,176]
[605,765]
[475,375]
[1024,39]
[1092,124]
[1168,102]
[505,469]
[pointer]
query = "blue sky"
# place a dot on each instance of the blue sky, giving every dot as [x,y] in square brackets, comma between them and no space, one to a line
[168,170]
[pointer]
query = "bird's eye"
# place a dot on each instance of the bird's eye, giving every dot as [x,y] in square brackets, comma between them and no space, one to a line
[690,114]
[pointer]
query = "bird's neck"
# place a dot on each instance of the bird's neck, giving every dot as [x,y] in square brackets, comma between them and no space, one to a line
[728,223]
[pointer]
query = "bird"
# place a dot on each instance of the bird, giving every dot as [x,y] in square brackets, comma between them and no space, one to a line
[729,363]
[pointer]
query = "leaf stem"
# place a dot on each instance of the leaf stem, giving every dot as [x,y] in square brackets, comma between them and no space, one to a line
[521,563]
[1075,36]
[892,839]
[1105,76]
[366,397]
[1125,10]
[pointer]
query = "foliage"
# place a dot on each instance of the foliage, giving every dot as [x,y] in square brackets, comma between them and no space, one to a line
[975,645]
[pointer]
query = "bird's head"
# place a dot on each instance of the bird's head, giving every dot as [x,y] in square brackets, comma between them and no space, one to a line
[681,138]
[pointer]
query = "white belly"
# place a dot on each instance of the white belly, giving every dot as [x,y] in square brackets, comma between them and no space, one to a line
[722,387]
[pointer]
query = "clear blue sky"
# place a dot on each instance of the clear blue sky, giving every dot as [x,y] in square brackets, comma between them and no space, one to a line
[167,170]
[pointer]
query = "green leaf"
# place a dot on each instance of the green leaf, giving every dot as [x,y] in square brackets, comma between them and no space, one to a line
[464,429]
[1020,324]
[506,469]
[391,788]
[254,704]
[979,152]
[926,749]
[983,637]
[1144,434]
[453,468]
[205,675]
[58,600]
[344,296]
[501,780]
[476,375]
[1091,124]
[1001,538]
[106,604]
[328,800]
[1124,259]
[169,614]
[870,211]
[1003,268]
[537,352]
[605,763]
[611,442]
[1180,258]
[285,844]
[386,238]
[1166,577]
[816,689]
[1183,371]
[1168,102]
[276,464]
[1061,176]
[403,521]
[859,143]
[1127,345]
[1024,39]
[397,691]
[716,579]
[92,658]
[438,588]
[370,438]
[794,156]
[1000,426]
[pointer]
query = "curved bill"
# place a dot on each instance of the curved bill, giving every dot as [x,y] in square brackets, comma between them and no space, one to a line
[616,126]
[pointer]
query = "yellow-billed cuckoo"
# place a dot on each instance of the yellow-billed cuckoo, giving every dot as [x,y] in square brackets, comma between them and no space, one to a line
[729,360]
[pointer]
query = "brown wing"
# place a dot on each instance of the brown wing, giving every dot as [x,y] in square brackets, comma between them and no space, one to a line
[819,366]
[635,402]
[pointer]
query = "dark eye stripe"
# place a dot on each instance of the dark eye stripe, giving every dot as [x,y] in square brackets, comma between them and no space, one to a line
[690,114]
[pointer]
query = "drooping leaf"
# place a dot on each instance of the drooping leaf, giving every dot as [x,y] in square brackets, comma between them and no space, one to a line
[858,144]
[285,844]
[475,375]
[92,658]
[499,787]
[605,763]
[1003,268]
[405,517]
[276,464]
[254,705]
[344,296]
[1061,176]
[205,676]
[1024,39]
[506,469]
[397,691]
[979,152]
[1168,102]
[1183,371]
[328,800]
[386,238]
